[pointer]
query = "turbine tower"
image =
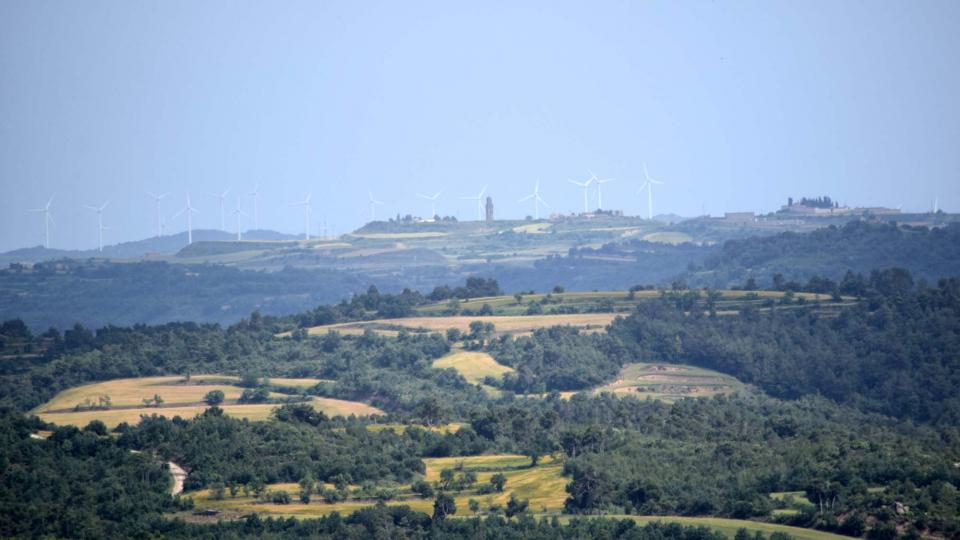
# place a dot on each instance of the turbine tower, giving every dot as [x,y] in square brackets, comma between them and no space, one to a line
[600,182]
[649,185]
[158,198]
[47,220]
[305,203]
[433,202]
[190,210]
[373,205]
[479,199]
[537,200]
[255,195]
[238,212]
[100,227]
[223,199]
[585,186]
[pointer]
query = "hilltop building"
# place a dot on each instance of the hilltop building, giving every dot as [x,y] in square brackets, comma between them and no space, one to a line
[489,210]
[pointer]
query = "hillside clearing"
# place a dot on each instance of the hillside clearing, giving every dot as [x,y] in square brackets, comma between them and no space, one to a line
[474,366]
[670,382]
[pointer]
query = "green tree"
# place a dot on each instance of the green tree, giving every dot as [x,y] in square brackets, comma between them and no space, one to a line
[443,506]
[498,481]
[214,397]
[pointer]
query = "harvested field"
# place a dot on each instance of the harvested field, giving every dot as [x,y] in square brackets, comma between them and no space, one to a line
[503,324]
[474,366]
[78,406]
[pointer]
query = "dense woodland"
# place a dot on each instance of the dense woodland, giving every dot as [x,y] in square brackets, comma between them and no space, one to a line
[858,246]
[852,401]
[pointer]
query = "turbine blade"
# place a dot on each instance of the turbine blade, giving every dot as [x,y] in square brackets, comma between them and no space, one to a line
[543,202]
[527,198]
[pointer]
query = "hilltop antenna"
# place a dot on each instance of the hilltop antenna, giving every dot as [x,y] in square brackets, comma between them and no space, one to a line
[158,198]
[537,200]
[433,202]
[479,199]
[47,220]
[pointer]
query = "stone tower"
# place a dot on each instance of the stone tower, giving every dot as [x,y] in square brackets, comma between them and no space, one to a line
[489,209]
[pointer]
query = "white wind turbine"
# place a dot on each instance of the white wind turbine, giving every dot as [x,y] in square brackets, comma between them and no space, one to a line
[238,212]
[223,199]
[433,202]
[479,199]
[190,210]
[100,227]
[373,205]
[255,195]
[649,185]
[537,200]
[306,215]
[586,187]
[600,182]
[157,199]
[47,220]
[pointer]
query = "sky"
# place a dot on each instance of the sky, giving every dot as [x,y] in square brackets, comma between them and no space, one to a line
[733,105]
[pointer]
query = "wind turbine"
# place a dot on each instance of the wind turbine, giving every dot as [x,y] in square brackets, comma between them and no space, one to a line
[649,185]
[47,220]
[373,205]
[190,210]
[158,198]
[600,182]
[479,199]
[537,200]
[223,198]
[238,212]
[433,202]
[585,186]
[255,195]
[306,215]
[100,227]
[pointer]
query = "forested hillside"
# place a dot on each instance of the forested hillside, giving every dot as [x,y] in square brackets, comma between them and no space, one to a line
[860,246]
[95,293]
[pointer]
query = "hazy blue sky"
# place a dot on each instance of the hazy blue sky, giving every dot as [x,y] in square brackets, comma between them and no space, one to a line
[735,105]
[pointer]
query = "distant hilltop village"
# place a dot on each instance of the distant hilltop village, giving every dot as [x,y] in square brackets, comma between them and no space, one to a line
[824,206]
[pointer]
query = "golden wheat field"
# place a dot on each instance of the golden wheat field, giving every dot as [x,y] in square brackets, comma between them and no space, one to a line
[504,324]
[473,365]
[79,405]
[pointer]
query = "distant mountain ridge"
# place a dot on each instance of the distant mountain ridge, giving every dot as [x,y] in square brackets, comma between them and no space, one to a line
[162,245]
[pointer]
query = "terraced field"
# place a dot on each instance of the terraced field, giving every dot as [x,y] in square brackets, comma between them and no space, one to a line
[78,406]
[670,382]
